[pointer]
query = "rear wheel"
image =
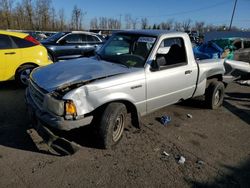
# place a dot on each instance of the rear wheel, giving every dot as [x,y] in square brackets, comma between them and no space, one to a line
[22,74]
[214,94]
[112,124]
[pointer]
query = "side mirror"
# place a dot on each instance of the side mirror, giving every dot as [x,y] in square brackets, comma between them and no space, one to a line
[158,63]
[160,60]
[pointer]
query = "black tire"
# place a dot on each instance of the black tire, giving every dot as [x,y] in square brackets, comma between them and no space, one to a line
[112,124]
[214,94]
[22,74]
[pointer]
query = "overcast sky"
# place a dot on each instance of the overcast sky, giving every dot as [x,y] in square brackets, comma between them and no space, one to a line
[215,12]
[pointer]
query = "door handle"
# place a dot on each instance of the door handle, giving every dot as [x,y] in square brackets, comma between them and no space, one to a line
[77,46]
[188,71]
[9,53]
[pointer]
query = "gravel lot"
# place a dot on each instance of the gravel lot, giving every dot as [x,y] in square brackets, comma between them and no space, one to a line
[215,144]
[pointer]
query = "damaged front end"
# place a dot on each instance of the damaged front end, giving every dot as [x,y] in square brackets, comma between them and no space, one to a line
[50,113]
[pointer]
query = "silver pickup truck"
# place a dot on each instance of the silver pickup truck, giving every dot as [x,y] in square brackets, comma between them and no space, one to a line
[135,72]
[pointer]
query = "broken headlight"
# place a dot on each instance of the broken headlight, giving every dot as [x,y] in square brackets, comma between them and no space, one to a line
[54,105]
[70,110]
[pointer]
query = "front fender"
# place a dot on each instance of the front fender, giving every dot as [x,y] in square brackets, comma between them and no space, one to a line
[87,102]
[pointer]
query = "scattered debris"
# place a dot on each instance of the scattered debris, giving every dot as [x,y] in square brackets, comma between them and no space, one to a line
[189,116]
[157,149]
[200,162]
[165,153]
[165,120]
[244,82]
[182,160]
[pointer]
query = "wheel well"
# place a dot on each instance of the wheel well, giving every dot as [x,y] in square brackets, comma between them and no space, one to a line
[51,54]
[26,64]
[131,109]
[217,77]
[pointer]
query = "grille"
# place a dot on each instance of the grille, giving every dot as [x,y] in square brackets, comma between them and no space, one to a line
[36,94]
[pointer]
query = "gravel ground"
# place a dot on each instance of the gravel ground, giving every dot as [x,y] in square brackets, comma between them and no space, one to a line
[215,145]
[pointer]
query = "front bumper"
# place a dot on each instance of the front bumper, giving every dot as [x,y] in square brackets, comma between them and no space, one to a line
[51,120]
[42,125]
[46,140]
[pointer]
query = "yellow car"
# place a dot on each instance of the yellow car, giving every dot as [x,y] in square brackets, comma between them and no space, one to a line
[19,54]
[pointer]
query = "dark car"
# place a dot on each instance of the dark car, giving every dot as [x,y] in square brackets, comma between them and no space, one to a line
[69,45]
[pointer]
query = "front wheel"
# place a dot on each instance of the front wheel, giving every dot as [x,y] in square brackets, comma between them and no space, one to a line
[22,74]
[214,94]
[112,124]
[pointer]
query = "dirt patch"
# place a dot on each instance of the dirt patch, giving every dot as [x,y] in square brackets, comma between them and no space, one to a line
[220,139]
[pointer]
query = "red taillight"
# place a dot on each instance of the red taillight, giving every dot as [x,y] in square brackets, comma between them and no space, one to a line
[31,39]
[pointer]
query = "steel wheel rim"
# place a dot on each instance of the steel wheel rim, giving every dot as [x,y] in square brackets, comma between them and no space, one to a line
[217,97]
[118,127]
[24,76]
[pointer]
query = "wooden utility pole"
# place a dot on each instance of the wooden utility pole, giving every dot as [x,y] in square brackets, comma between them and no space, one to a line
[232,15]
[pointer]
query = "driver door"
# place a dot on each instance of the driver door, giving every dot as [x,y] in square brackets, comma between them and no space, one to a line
[173,81]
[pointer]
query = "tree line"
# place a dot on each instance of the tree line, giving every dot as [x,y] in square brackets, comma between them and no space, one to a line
[41,15]
[37,15]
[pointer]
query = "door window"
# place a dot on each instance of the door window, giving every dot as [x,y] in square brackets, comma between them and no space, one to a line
[5,42]
[73,38]
[176,55]
[91,38]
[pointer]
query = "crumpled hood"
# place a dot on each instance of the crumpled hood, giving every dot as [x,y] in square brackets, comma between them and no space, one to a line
[69,72]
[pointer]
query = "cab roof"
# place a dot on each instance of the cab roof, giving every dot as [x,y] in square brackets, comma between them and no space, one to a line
[155,33]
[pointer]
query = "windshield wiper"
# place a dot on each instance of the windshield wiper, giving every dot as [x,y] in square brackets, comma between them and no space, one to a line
[119,62]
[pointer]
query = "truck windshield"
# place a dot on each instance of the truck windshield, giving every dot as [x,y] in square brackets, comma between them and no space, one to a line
[127,49]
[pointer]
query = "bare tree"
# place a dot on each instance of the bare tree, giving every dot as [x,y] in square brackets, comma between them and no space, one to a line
[128,21]
[53,18]
[186,24]
[43,16]
[61,17]
[18,16]
[168,25]
[76,18]
[134,23]
[144,23]
[28,9]
[199,26]
[6,7]
[177,26]
[94,23]
[103,23]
